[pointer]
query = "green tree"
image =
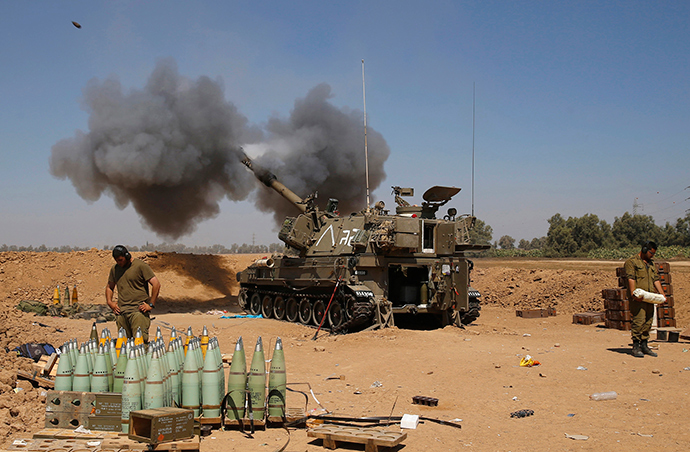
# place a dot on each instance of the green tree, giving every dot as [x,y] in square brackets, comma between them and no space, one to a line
[481,233]
[523,244]
[633,230]
[559,239]
[537,243]
[506,242]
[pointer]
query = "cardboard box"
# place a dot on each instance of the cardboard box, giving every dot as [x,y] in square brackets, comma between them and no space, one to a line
[161,425]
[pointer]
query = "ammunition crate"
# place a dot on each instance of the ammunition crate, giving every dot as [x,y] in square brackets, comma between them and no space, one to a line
[105,423]
[668,289]
[588,318]
[161,425]
[667,304]
[619,325]
[70,409]
[614,294]
[532,313]
[665,313]
[617,305]
[620,271]
[623,282]
[663,267]
[665,323]
[665,278]
[619,315]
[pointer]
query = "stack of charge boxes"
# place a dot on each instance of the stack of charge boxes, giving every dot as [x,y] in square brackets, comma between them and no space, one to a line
[617,304]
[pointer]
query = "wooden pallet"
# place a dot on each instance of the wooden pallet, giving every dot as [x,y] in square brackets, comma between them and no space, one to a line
[371,438]
[291,415]
[668,334]
[44,382]
[98,445]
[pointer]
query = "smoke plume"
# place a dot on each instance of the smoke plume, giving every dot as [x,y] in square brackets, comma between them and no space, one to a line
[321,148]
[172,150]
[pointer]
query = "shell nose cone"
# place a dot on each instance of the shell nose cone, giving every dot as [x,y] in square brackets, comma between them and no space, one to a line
[279,344]
[240,345]
[259,345]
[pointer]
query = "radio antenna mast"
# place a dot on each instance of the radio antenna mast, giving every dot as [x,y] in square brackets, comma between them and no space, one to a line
[366,150]
[474,84]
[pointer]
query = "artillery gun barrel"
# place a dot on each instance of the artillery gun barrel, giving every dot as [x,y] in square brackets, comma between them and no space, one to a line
[270,180]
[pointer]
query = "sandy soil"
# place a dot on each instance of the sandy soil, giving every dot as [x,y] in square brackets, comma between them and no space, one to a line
[474,372]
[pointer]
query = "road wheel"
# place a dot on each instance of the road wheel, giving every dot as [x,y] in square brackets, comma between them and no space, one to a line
[255,304]
[319,311]
[279,307]
[350,306]
[267,307]
[336,315]
[304,311]
[292,310]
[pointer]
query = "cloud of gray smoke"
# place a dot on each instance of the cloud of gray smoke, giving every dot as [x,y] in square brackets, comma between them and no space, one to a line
[172,150]
[321,148]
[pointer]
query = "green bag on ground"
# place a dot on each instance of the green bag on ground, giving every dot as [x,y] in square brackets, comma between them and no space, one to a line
[33,306]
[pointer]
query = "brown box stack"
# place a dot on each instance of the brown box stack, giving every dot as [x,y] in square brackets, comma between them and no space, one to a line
[665,313]
[617,304]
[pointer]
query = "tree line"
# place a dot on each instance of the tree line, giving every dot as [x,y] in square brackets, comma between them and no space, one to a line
[163,247]
[581,236]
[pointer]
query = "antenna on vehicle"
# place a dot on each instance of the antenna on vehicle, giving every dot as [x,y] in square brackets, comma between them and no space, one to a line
[474,84]
[366,150]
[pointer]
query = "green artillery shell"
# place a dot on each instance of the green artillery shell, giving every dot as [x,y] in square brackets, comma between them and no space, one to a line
[99,380]
[153,391]
[277,380]
[237,383]
[191,399]
[256,381]
[210,389]
[82,381]
[119,373]
[131,389]
[63,377]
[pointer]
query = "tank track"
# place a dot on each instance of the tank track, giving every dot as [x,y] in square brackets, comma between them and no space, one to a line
[360,315]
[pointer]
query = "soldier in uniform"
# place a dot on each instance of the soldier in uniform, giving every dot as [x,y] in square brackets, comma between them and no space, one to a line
[642,274]
[132,278]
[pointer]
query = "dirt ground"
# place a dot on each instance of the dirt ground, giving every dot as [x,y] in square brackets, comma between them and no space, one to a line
[474,372]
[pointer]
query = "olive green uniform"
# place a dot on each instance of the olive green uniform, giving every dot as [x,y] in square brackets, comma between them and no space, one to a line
[132,284]
[644,275]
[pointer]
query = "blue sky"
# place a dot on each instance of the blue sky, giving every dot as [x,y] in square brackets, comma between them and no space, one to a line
[581,107]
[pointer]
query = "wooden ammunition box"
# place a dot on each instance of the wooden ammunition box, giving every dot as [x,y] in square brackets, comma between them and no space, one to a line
[614,294]
[668,289]
[665,313]
[665,323]
[623,282]
[620,271]
[619,325]
[663,267]
[105,423]
[161,425]
[665,278]
[617,305]
[619,315]
[588,318]
[668,303]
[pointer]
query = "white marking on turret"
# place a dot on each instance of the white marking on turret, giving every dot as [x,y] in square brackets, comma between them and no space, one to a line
[329,228]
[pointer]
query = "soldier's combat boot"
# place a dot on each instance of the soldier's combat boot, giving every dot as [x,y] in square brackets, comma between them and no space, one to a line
[636,350]
[646,350]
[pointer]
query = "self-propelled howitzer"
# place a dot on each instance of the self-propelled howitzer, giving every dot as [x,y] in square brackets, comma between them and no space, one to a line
[360,271]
